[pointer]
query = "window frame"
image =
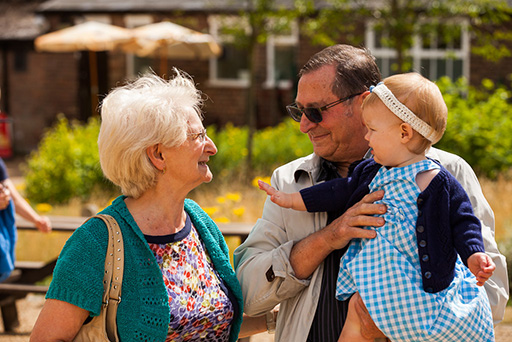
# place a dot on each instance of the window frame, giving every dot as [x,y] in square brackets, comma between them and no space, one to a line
[214,23]
[419,53]
[291,39]
[133,21]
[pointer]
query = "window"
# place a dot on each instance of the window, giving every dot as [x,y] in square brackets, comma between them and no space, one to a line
[281,59]
[437,51]
[232,67]
[136,65]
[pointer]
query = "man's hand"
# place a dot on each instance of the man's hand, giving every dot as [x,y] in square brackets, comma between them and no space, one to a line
[310,252]
[349,225]
[368,328]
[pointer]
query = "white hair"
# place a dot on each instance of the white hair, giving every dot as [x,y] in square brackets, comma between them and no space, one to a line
[141,114]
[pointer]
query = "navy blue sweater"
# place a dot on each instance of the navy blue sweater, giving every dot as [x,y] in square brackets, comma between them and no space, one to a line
[446,224]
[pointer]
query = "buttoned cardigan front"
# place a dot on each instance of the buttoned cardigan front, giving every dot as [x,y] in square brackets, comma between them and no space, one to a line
[143,313]
[445,226]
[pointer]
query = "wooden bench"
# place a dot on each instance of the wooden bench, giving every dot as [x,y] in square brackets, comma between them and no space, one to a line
[26,274]
[21,282]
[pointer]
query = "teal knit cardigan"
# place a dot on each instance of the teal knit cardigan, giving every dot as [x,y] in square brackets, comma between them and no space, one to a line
[143,313]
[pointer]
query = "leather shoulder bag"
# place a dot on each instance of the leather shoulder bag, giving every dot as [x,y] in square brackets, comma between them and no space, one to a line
[104,326]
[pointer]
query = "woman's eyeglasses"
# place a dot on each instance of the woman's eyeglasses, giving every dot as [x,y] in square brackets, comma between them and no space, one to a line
[198,135]
[312,113]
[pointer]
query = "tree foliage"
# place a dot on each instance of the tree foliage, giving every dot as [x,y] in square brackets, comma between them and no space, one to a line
[259,20]
[401,20]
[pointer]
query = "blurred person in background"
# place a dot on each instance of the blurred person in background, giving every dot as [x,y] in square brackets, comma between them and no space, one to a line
[11,201]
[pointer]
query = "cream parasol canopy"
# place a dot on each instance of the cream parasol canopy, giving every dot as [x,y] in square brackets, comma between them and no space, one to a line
[169,40]
[89,36]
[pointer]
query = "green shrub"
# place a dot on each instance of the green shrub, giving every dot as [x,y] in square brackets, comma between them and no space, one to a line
[275,146]
[272,146]
[231,145]
[479,125]
[66,164]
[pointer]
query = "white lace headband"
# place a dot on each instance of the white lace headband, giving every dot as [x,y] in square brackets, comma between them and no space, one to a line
[404,113]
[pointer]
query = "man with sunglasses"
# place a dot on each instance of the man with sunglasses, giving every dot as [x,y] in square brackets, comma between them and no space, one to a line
[292,258]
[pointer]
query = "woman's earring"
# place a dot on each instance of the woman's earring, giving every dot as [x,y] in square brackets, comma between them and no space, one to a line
[163,170]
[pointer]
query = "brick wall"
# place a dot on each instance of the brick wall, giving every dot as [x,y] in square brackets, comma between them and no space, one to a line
[46,87]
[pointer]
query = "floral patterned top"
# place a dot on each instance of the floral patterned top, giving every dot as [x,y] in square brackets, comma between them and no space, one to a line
[199,301]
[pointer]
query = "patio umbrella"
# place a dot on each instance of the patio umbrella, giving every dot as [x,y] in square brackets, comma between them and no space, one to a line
[169,40]
[89,36]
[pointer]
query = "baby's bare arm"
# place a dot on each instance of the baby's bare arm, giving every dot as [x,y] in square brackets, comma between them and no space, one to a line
[283,199]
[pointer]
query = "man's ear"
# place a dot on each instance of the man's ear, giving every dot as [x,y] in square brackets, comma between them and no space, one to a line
[359,105]
[363,95]
[156,157]
[406,132]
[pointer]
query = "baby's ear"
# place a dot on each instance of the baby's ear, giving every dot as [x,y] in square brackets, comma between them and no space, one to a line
[406,132]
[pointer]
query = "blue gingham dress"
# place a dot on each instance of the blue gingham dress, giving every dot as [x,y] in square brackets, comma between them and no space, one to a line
[386,272]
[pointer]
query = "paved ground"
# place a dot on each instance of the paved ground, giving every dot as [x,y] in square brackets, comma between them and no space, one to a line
[29,308]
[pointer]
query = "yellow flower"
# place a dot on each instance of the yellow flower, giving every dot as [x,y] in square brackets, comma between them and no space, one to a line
[211,210]
[43,207]
[234,196]
[222,219]
[221,199]
[256,179]
[239,211]
[20,187]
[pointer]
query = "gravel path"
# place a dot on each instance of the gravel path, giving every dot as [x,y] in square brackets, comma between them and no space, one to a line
[29,308]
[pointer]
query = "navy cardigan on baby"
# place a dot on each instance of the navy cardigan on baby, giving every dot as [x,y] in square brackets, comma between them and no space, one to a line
[446,224]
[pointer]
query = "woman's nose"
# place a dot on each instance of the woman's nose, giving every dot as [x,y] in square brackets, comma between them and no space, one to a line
[210,147]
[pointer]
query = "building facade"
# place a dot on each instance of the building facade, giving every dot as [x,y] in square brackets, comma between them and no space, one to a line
[37,86]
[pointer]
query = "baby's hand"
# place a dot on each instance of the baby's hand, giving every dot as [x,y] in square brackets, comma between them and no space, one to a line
[482,266]
[280,198]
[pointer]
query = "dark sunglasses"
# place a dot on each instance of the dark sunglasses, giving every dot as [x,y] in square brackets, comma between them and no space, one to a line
[314,114]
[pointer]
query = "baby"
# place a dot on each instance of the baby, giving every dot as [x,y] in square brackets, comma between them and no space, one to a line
[411,277]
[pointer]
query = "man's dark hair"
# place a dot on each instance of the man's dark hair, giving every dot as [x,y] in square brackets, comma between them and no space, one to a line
[356,69]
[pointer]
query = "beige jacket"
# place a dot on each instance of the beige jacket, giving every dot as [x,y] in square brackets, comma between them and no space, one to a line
[273,236]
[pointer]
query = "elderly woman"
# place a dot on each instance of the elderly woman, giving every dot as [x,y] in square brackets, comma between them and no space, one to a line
[178,283]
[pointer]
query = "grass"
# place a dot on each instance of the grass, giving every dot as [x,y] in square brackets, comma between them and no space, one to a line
[498,194]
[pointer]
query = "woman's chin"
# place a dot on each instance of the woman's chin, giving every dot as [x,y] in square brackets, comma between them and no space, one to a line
[208,177]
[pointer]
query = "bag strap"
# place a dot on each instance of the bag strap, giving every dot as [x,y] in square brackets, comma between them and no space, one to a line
[113,276]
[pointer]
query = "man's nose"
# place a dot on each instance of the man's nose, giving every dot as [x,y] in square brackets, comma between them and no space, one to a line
[305,124]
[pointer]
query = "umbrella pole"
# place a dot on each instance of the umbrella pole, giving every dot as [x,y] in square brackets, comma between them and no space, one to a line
[93,74]
[163,62]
